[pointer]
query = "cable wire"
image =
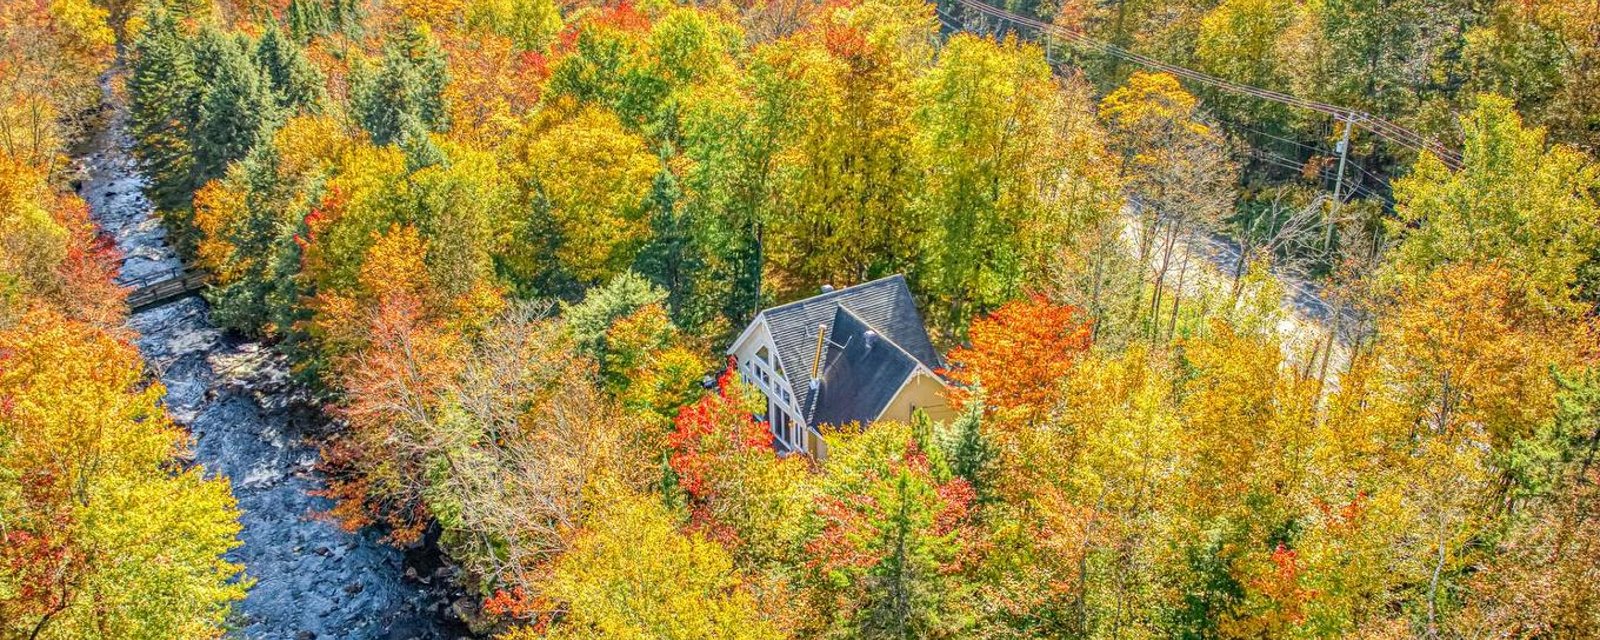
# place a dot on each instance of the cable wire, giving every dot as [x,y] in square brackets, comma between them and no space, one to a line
[1384,128]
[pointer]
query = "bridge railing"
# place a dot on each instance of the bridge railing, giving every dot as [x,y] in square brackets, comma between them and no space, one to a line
[162,286]
[157,276]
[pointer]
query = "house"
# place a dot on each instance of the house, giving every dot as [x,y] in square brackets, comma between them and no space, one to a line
[856,354]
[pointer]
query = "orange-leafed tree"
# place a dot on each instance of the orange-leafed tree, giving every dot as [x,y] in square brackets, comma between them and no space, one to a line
[493,430]
[1019,354]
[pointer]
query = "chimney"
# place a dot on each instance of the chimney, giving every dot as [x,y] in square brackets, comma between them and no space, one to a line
[816,360]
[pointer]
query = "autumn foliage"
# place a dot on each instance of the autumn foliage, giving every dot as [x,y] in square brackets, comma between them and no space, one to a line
[509,238]
[1019,352]
[94,518]
[719,424]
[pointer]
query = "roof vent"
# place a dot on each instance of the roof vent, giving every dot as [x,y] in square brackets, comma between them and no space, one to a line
[827,288]
[869,338]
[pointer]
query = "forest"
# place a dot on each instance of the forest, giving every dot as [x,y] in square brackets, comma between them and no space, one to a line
[1223,366]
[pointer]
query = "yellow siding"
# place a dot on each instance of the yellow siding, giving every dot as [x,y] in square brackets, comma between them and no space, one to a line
[922,392]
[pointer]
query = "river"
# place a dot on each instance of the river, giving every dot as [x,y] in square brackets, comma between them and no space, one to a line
[253,425]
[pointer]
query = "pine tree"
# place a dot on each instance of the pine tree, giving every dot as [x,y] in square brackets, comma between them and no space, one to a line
[970,452]
[345,15]
[238,109]
[420,150]
[306,18]
[674,259]
[430,75]
[296,84]
[407,88]
[244,213]
[165,100]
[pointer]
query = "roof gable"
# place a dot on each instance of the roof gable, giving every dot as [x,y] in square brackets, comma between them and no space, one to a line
[864,373]
[884,306]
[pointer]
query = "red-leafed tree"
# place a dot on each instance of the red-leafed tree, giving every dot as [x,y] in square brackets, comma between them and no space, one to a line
[738,490]
[719,425]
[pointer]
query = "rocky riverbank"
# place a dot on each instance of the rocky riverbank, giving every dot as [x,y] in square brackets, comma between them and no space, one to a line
[253,425]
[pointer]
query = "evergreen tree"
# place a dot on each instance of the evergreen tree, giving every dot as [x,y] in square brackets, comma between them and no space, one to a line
[970,452]
[674,259]
[890,529]
[306,18]
[590,320]
[165,99]
[345,15]
[407,88]
[430,74]
[238,109]
[258,234]
[420,150]
[296,84]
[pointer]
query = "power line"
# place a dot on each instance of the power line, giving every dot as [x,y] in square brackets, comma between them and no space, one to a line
[1375,177]
[1357,188]
[1235,125]
[1384,128]
[1277,161]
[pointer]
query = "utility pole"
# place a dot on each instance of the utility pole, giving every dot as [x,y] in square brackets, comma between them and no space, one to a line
[1327,243]
[1338,181]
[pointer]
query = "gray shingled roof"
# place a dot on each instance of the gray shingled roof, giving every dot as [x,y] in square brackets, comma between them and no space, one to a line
[885,306]
[864,372]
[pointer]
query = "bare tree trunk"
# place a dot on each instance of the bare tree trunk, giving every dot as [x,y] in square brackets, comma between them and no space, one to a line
[1327,349]
[1177,294]
[1097,287]
[1161,279]
[1433,583]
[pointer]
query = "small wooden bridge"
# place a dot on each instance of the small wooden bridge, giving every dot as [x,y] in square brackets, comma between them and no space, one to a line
[165,286]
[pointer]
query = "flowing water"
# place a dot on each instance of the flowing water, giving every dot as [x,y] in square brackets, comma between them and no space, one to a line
[253,425]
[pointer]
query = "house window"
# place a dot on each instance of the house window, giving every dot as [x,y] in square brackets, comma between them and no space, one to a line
[780,423]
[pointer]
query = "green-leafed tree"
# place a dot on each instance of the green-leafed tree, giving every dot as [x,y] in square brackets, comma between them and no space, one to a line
[1517,201]
[237,111]
[296,83]
[1012,172]
[531,24]
[889,531]
[164,105]
[306,18]
[591,320]
[404,94]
